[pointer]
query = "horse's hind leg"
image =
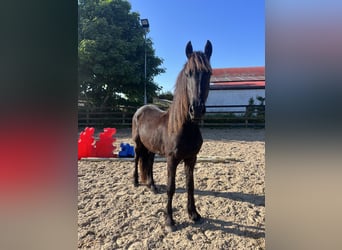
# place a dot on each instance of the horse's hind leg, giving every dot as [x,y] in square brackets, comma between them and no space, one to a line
[137,158]
[149,164]
[144,162]
[135,174]
[146,168]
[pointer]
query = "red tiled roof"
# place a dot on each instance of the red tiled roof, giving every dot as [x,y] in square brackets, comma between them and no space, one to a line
[238,78]
[238,74]
[238,85]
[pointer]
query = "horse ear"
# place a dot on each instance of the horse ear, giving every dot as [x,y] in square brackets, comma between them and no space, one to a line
[208,49]
[188,50]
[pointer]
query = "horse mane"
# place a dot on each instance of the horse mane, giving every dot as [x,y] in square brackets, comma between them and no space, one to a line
[178,111]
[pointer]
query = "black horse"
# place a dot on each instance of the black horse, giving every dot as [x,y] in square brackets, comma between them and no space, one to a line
[175,133]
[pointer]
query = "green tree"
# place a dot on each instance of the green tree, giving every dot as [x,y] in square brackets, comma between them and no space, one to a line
[168,95]
[261,100]
[250,108]
[261,108]
[111,55]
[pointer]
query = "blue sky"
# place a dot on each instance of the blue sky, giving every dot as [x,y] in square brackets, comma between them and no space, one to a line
[236,28]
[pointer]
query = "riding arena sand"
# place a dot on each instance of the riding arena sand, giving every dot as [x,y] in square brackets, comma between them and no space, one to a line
[229,194]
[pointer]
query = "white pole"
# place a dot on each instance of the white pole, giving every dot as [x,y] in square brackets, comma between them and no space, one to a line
[145,97]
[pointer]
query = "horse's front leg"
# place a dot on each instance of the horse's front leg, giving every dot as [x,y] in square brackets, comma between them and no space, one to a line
[189,165]
[171,186]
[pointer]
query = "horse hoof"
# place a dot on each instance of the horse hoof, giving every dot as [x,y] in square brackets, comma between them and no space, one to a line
[170,225]
[136,184]
[170,228]
[154,189]
[196,217]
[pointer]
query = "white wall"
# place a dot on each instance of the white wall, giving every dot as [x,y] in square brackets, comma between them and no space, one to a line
[232,97]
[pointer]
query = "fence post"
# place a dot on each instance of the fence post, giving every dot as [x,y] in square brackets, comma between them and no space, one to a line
[90,116]
[87,115]
[123,117]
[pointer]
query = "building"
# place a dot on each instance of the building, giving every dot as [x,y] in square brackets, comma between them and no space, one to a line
[235,86]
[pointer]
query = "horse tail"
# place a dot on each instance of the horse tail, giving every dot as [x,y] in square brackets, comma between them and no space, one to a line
[144,158]
[140,150]
[143,168]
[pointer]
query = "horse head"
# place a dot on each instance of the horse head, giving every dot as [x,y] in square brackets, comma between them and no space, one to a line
[197,72]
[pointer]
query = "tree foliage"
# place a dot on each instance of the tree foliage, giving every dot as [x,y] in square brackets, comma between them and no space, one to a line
[253,110]
[168,95]
[112,54]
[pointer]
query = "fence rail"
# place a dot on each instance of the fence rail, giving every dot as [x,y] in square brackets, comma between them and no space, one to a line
[216,116]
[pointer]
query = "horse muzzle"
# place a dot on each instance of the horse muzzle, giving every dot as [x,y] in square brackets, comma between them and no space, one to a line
[197,111]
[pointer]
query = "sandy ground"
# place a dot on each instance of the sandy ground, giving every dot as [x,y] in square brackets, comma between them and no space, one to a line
[230,196]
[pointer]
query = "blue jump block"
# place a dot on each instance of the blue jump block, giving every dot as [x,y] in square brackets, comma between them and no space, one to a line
[126,150]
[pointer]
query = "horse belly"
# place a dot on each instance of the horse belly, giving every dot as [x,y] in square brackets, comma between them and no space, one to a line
[153,140]
[155,147]
[151,127]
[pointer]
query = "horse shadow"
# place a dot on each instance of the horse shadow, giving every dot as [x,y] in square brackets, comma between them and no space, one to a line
[226,227]
[238,135]
[221,225]
[254,199]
